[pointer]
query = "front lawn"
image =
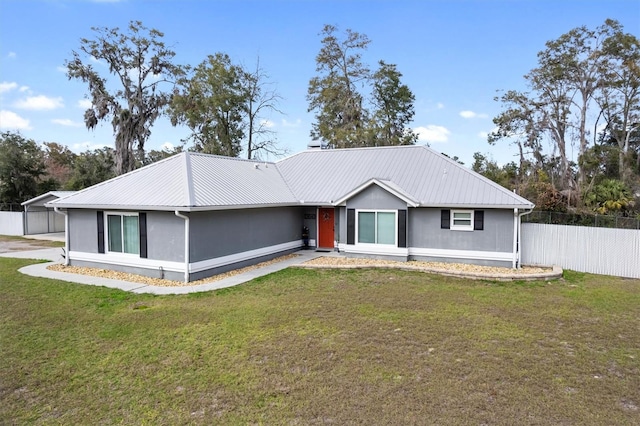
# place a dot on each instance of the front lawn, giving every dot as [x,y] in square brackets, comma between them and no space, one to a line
[319,346]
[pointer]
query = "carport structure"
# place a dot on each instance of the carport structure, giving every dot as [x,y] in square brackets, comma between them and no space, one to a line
[38,219]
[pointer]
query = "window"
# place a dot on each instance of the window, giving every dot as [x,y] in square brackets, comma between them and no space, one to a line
[376,227]
[123,233]
[462,220]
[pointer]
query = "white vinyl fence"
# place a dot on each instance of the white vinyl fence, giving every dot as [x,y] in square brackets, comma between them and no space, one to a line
[604,251]
[11,223]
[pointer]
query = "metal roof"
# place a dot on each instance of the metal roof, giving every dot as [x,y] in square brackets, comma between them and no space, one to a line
[191,181]
[188,181]
[51,194]
[430,178]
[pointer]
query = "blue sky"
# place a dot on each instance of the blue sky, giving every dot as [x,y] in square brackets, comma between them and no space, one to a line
[454,56]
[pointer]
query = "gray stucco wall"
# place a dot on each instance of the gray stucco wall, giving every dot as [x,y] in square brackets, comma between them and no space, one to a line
[425,232]
[376,198]
[165,236]
[212,234]
[220,233]
[83,230]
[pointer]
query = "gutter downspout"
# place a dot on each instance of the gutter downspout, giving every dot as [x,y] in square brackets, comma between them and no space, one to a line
[514,259]
[520,235]
[66,234]
[25,220]
[186,244]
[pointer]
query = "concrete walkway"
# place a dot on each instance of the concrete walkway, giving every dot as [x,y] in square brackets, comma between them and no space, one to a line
[55,255]
[52,236]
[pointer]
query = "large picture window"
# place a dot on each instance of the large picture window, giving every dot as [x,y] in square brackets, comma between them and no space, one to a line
[123,233]
[376,227]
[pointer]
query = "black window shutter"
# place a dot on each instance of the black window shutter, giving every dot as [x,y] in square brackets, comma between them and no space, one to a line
[142,223]
[445,220]
[478,220]
[351,226]
[100,231]
[402,228]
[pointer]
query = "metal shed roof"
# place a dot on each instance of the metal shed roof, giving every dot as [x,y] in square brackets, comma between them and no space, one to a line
[323,176]
[41,199]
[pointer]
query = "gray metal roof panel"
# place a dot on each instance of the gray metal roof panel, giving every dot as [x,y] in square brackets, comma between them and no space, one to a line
[192,181]
[230,181]
[188,180]
[160,184]
[429,177]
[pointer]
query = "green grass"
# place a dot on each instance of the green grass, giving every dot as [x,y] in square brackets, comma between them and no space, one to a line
[308,347]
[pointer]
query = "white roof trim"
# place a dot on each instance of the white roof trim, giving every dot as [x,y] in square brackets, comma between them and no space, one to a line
[133,207]
[388,186]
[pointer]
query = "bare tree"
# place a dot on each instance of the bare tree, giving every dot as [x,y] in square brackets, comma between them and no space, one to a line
[262,98]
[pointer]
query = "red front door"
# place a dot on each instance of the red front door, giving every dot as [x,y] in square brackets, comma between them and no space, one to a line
[325,228]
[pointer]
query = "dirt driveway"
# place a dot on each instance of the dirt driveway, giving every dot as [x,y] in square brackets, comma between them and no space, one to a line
[9,244]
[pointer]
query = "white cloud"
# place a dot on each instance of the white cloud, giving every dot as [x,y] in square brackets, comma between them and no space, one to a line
[62,69]
[471,114]
[483,135]
[66,122]
[286,123]
[39,103]
[24,89]
[440,105]
[11,120]
[167,146]
[5,86]
[267,123]
[432,133]
[11,55]
[84,104]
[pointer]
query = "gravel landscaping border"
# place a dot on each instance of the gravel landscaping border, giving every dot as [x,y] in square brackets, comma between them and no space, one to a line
[476,272]
[463,270]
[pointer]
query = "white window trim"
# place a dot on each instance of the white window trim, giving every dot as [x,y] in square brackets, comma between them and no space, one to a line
[395,229]
[454,227]
[106,239]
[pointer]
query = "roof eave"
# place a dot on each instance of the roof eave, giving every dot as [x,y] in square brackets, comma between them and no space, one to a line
[479,206]
[172,208]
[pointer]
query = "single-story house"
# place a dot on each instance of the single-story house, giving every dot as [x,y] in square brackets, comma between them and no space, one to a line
[40,219]
[194,215]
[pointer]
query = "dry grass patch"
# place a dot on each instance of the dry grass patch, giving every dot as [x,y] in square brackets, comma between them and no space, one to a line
[10,243]
[323,346]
